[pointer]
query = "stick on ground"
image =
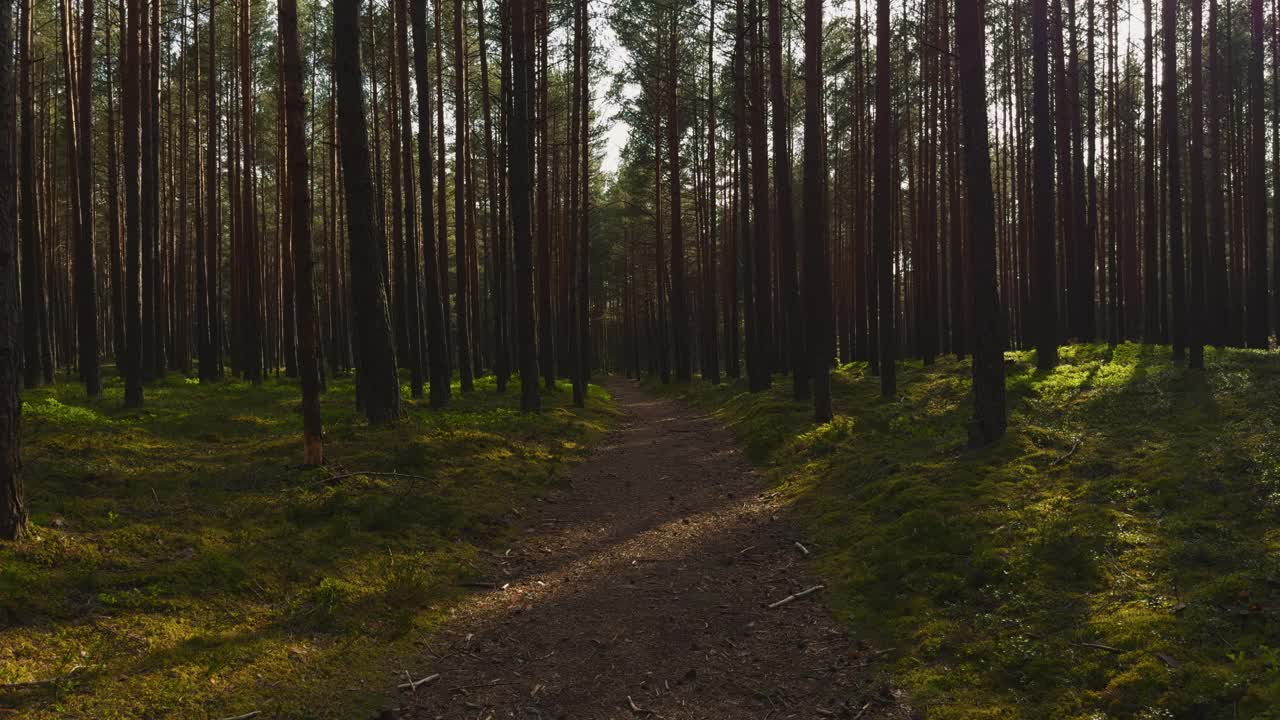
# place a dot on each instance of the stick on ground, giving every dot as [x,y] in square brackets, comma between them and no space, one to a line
[796,596]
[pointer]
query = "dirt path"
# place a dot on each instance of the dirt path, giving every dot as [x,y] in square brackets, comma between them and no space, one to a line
[641,591]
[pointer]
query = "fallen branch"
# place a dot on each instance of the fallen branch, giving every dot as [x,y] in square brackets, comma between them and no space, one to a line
[1070,452]
[375,473]
[245,716]
[637,709]
[413,685]
[803,549]
[1100,646]
[796,596]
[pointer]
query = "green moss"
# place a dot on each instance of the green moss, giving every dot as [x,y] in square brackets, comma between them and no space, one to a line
[1115,556]
[182,565]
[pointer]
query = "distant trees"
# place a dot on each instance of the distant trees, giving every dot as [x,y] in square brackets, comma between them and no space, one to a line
[158,173]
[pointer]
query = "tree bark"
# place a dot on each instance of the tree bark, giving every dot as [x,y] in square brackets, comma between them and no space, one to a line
[817,265]
[989,421]
[409,273]
[433,307]
[1195,314]
[882,209]
[1045,252]
[379,386]
[133,219]
[33,297]
[793,319]
[521,183]
[460,260]
[760,365]
[1258,326]
[13,514]
[300,228]
[1173,170]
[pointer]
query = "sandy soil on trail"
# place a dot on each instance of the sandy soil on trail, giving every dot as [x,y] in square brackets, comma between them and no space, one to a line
[641,591]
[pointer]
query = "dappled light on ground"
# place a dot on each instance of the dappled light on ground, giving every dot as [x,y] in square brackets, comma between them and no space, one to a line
[1117,555]
[182,565]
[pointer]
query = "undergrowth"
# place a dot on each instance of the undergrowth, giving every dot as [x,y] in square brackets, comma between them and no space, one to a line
[181,565]
[1116,555]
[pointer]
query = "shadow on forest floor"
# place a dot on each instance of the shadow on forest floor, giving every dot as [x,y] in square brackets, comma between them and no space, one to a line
[1116,555]
[182,565]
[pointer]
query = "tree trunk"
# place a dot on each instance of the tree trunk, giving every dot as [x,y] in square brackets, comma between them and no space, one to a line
[793,319]
[379,386]
[546,326]
[988,422]
[1258,326]
[711,359]
[1152,297]
[210,338]
[497,231]
[300,228]
[1045,252]
[436,326]
[85,264]
[13,514]
[817,262]
[888,343]
[1195,310]
[133,219]
[521,178]
[409,271]
[760,365]
[33,299]
[1173,169]
[460,259]
[251,331]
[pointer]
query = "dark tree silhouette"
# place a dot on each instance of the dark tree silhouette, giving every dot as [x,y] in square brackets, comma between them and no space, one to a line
[888,343]
[989,421]
[378,386]
[300,227]
[522,98]
[817,261]
[13,514]
[1044,250]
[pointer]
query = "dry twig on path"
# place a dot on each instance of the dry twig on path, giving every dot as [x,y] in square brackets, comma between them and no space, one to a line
[413,685]
[796,596]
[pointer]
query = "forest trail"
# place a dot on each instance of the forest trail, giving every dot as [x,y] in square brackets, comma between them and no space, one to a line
[642,590]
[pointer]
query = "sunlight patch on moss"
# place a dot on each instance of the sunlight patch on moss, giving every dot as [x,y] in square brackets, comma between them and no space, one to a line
[1132,506]
[181,557]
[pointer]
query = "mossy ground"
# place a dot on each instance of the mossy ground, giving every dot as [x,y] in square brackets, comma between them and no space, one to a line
[1117,555]
[181,565]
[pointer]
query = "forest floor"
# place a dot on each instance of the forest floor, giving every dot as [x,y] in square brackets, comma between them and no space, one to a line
[183,566]
[1116,555]
[655,585]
